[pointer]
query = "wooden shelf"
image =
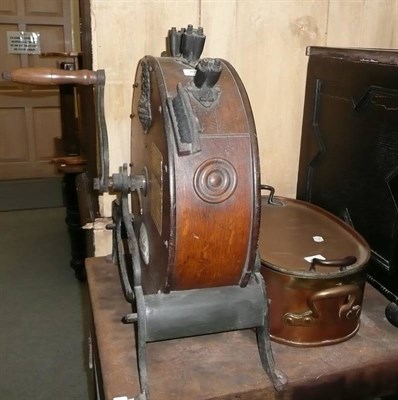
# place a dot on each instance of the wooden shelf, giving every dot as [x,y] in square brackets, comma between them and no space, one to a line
[227,366]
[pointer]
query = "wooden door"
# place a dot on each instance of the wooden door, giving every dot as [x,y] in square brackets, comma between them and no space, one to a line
[30,115]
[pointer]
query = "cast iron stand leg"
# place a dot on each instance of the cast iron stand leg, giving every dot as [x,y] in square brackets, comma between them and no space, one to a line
[121,211]
[278,378]
[141,345]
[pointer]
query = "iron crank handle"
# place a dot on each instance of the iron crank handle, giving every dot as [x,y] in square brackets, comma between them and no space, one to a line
[53,76]
[50,76]
[118,251]
[343,263]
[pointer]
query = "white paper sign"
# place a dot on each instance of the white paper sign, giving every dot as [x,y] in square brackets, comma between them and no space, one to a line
[20,42]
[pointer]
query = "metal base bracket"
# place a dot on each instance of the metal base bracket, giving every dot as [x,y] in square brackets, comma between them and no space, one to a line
[203,311]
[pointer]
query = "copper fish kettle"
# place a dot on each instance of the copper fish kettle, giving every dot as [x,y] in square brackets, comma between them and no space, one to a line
[314,266]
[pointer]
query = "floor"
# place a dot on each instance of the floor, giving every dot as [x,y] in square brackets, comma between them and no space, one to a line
[31,193]
[43,310]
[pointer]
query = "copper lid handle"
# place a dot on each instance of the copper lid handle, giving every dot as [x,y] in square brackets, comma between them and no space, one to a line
[343,263]
[271,194]
[50,76]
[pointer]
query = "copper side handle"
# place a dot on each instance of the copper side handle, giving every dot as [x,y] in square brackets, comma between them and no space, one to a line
[343,263]
[348,310]
[50,76]
[352,294]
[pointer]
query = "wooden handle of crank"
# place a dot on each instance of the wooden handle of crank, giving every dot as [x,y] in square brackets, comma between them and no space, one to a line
[50,76]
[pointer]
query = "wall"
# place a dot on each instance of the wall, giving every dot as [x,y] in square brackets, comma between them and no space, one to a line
[265,41]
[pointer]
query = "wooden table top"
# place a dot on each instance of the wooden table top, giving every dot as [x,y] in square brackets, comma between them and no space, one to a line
[227,366]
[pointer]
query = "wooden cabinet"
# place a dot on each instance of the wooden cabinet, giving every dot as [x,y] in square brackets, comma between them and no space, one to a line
[349,149]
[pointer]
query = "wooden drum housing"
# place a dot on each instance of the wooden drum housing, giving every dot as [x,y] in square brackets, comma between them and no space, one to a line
[197,219]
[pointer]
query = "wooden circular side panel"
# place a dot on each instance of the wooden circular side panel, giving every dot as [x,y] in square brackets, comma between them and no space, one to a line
[149,156]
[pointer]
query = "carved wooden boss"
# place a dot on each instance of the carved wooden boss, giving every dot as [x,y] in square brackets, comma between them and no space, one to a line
[187,253]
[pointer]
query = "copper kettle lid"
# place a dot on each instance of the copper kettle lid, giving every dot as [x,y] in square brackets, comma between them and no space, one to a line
[293,233]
